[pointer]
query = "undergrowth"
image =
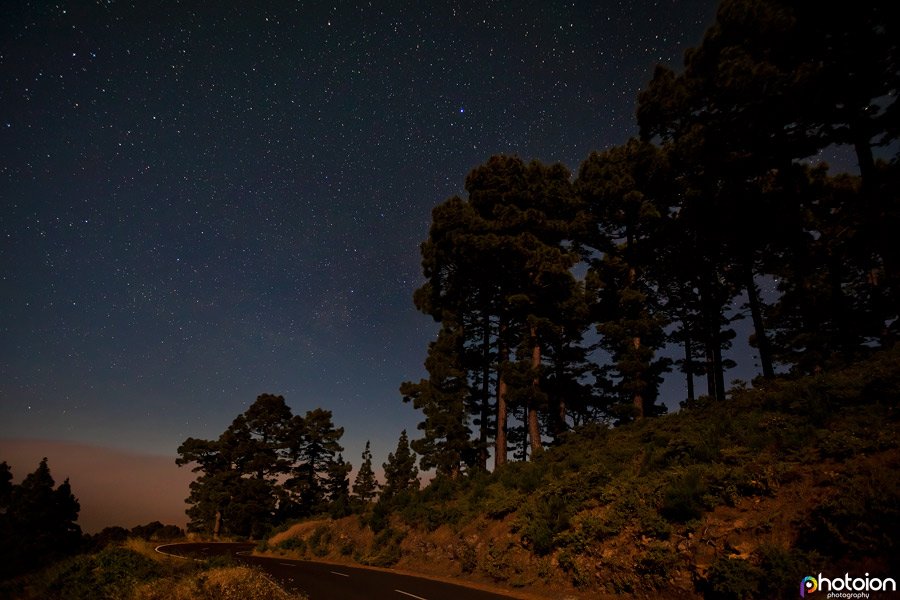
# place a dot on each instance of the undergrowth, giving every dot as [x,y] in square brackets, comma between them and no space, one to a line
[641,506]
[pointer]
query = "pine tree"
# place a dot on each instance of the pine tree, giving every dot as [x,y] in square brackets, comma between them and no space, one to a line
[627,189]
[337,487]
[498,268]
[400,471]
[774,82]
[445,445]
[269,465]
[6,487]
[40,517]
[314,444]
[365,486]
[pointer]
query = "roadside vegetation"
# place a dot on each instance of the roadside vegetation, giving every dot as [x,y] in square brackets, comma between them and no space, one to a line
[132,570]
[721,500]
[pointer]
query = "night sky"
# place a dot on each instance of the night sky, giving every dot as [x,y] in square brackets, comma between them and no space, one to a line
[206,201]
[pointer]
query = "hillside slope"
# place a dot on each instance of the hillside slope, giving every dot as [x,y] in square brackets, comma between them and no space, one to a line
[740,499]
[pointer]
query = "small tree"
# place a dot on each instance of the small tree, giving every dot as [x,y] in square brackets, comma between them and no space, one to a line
[365,487]
[400,471]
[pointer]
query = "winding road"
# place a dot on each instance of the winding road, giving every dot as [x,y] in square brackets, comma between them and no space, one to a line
[322,581]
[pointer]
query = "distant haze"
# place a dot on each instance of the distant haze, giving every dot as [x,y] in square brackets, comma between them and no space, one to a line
[114,487]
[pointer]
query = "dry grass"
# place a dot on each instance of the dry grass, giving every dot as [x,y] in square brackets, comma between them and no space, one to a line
[225,583]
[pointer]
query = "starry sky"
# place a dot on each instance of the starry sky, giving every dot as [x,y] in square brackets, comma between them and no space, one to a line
[206,201]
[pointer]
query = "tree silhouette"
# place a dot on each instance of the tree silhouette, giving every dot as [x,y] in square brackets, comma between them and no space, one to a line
[400,471]
[37,520]
[267,466]
[498,269]
[365,486]
[627,190]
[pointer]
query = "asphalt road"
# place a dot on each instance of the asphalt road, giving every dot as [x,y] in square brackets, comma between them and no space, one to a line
[322,581]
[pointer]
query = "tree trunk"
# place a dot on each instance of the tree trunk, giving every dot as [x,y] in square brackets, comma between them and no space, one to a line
[534,431]
[838,305]
[688,362]
[879,227]
[715,377]
[638,398]
[710,370]
[864,156]
[560,426]
[218,525]
[485,391]
[500,438]
[762,340]
[720,369]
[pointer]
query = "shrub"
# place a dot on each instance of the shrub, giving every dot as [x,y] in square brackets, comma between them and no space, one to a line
[654,526]
[547,516]
[387,548]
[523,476]
[296,544]
[72,579]
[731,579]
[378,518]
[320,540]
[683,499]
[496,563]
[468,557]
[501,502]
[656,565]
[431,515]
[579,574]
[779,570]
[119,569]
[861,519]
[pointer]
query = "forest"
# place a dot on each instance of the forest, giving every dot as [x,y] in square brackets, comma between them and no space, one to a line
[557,296]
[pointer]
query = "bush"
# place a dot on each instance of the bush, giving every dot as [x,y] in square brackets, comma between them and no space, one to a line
[502,502]
[296,544]
[378,518]
[656,565]
[861,519]
[522,476]
[497,562]
[779,570]
[683,499]
[110,574]
[654,526]
[547,516]
[320,540]
[731,579]
[430,515]
[387,551]
[467,556]
[72,579]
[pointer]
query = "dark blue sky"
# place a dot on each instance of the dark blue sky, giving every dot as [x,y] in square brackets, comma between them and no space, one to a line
[205,201]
